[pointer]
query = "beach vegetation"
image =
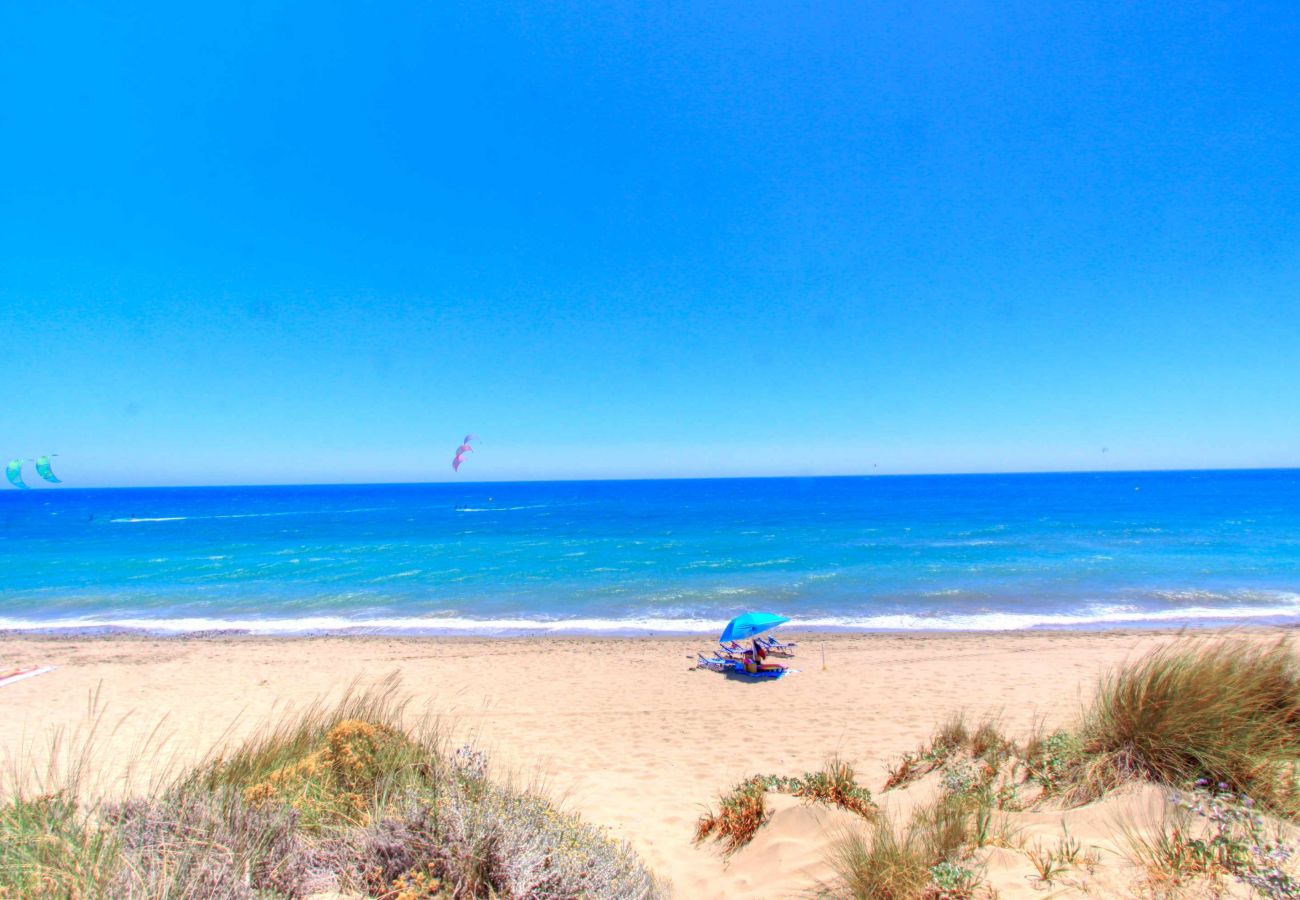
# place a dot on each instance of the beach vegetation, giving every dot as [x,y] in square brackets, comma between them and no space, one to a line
[1047,865]
[955,739]
[741,812]
[1222,715]
[47,849]
[348,797]
[954,881]
[928,857]
[835,784]
[1210,834]
[903,771]
[743,809]
[885,864]
[1225,710]
[1048,760]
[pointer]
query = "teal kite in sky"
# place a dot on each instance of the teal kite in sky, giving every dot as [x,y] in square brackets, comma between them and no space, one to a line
[43,469]
[14,472]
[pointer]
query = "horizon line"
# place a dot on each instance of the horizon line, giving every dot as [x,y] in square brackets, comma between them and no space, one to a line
[967,474]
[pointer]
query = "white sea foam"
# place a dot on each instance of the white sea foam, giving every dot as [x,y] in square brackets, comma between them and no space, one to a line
[409,573]
[768,562]
[264,515]
[1284,606]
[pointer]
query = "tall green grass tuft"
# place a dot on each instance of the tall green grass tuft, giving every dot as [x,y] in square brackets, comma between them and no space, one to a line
[49,846]
[1226,710]
[331,761]
[922,859]
[47,849]
[885,865]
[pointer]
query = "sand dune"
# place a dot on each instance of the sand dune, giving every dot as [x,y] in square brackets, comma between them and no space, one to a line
[627,731]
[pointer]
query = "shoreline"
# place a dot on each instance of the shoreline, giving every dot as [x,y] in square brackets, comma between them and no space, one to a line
[361,632]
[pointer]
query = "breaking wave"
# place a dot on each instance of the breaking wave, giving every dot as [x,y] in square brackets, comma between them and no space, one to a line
[1284,607]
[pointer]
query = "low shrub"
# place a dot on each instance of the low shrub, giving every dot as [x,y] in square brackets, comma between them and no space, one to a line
[340,798]
[1051,760]
[741,812]
[835,784]
[951,881]
[1214,833]
[340,780]
[953,740]
[209,845]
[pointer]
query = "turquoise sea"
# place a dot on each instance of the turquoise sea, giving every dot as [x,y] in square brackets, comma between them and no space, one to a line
[878,553]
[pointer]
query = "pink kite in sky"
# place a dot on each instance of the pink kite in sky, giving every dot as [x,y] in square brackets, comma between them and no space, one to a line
[462,450]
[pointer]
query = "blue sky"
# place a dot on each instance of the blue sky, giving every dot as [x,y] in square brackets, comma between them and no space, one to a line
[283,242]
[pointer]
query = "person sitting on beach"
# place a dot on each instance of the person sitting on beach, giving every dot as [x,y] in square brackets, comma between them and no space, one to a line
[754,659]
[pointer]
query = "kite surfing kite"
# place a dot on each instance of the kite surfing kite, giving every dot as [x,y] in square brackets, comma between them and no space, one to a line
[462,450]
[14,472]
[43,469]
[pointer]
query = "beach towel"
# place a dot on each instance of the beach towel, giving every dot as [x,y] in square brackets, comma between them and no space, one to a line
[19,674]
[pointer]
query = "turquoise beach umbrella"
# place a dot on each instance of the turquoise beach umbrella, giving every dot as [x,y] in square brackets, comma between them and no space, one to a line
[749,624]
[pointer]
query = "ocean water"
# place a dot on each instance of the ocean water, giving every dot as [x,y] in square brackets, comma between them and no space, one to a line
[877,553]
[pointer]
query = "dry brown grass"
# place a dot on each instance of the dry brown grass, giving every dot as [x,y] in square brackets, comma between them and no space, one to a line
[741,812]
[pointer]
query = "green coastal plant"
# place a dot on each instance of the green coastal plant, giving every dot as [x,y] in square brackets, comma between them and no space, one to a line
[954,740]
[952,881]
[49,849]
[835,784]
[1231,840]
[743,809]
[1050,760]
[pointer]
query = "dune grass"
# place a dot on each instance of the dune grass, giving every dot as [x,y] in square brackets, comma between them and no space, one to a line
[48,850]
[886,865]
[1224,710]
[1227,710]
[1223,713]
[342,797]
[924,858]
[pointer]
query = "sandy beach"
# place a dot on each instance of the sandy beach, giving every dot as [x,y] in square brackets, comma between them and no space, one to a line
[625,731]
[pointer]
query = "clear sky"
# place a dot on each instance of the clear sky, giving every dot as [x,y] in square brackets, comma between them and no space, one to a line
[281,242]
